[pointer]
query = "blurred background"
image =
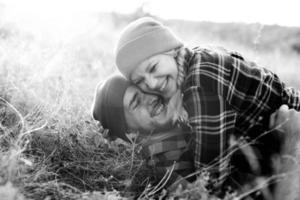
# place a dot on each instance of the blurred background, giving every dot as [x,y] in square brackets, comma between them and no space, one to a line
[54,52]
[75,39]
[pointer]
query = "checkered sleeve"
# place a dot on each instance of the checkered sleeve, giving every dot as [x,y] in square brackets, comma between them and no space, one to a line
[254,90]
[222,87]
[170,154]
[249,88]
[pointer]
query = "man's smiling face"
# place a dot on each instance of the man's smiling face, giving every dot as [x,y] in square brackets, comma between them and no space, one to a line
[146,112]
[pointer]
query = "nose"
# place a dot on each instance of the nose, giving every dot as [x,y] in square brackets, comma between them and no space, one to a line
[145,98]
[151,82]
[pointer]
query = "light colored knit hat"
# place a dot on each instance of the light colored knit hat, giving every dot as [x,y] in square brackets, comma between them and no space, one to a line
[140,40]
[108,106]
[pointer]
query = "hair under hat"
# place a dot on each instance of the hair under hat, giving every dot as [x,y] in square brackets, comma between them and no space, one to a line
[108,106]
[140,40]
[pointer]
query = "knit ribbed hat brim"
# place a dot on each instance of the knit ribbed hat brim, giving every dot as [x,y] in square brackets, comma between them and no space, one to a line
[108,106]
[140,40]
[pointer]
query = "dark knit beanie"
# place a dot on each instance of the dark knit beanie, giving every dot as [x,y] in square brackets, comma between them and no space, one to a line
[140,40]
[108,107]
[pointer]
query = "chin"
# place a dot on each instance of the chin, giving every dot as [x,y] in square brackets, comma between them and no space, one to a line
[168,96]
[171,93]
[164,127]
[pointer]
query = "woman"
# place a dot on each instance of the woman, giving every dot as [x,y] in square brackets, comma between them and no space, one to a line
[118,105]
[223,93]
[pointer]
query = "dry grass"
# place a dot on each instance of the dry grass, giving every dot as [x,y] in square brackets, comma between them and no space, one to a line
[43,162]
[50,148]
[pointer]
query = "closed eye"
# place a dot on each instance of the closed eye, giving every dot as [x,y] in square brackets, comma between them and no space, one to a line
[153,68]
[133,101]
[137,103]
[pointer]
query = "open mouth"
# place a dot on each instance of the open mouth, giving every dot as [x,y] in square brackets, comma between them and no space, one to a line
[157,106]
[163,86]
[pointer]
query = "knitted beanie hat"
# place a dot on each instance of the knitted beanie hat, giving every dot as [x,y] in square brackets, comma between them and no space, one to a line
[108,107]
[140,40]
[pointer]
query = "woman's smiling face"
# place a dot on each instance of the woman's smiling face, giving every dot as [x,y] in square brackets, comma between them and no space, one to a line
[146,112]
[157,75]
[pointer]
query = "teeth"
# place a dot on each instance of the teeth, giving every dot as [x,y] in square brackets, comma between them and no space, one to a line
[163,86]
[153,102]
[157,110]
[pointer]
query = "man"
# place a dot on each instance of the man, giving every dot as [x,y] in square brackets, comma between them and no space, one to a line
[122,108]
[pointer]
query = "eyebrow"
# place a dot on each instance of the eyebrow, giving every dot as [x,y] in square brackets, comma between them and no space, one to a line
[133,99]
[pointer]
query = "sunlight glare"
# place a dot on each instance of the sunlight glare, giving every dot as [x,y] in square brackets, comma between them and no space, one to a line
[60,19]
[66,18]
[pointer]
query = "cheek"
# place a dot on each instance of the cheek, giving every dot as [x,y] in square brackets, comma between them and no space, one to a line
[167,119]
[172,67]
[175,71]
[162,119]
[144,119]
[171,90]
[143,87]
[146,89]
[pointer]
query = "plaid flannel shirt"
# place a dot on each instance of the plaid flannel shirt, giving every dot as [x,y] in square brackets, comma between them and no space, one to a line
[170,150]
[226,94]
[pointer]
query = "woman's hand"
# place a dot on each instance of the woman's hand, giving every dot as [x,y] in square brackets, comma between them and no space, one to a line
[285,120]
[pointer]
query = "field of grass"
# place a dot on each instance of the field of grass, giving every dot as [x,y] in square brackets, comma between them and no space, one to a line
[50,147]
